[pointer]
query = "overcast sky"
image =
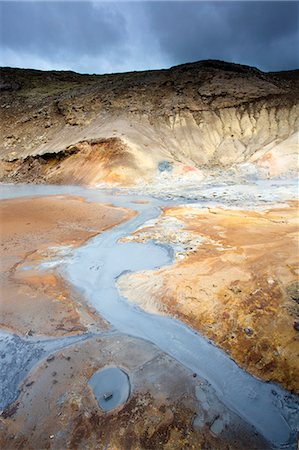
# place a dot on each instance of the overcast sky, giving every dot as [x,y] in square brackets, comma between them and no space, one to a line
[96,37]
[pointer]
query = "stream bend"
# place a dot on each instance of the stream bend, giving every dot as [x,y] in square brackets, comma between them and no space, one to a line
[94,269]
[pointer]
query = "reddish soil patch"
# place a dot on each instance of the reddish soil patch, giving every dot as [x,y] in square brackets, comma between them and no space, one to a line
[38,301]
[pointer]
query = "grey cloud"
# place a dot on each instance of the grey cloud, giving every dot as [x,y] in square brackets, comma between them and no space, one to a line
[62,29]
[264,34]
[99,37]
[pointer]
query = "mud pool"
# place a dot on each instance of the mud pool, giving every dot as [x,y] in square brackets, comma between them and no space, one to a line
[111,387]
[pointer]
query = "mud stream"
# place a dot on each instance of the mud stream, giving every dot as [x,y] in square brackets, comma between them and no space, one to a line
[94,269]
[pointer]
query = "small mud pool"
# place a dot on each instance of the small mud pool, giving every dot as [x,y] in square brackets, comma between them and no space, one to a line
[111,387]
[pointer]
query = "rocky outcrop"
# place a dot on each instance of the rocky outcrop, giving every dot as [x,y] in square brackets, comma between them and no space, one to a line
[202,115]
[88,162]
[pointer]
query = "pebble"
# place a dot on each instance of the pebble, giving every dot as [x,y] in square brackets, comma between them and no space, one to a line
[248,331]
[296,326]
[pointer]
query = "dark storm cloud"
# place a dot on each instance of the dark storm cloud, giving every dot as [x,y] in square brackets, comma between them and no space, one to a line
[62,31]
[264,34]
[99,37]
[49,27]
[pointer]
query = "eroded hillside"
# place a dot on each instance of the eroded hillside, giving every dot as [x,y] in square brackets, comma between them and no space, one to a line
[181,121]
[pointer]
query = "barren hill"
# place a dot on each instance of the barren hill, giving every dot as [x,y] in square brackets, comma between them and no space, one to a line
[63,127]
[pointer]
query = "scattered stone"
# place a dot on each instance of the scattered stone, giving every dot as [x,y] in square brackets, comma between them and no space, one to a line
[50,358]
[107,396]
[111,387]
[10,410]
[248,331]
[165,166]
[30,383]
[235,289]
[217,426]
[296,326]
[293,291]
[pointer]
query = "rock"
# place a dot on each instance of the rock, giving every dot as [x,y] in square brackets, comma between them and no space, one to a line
[107,396]
[10,410]
[293,291]
[296,326]
[248,331]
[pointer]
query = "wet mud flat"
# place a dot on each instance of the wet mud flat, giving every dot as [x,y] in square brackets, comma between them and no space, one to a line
[167,407]
[179,383]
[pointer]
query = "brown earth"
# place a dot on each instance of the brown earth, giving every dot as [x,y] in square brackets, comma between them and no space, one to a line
[57,408]
[238,286]
[36,301]
[199,116]
[86,163]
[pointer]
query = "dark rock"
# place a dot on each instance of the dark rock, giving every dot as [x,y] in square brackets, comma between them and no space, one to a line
[10,410]
[248,331]
[293,291]
[6,85]
[165,166]
[296,326]
[108,396]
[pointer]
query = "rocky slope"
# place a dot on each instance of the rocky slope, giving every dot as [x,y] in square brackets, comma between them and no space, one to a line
[126,127]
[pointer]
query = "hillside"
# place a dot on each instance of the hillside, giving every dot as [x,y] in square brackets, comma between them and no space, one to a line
[63,127]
